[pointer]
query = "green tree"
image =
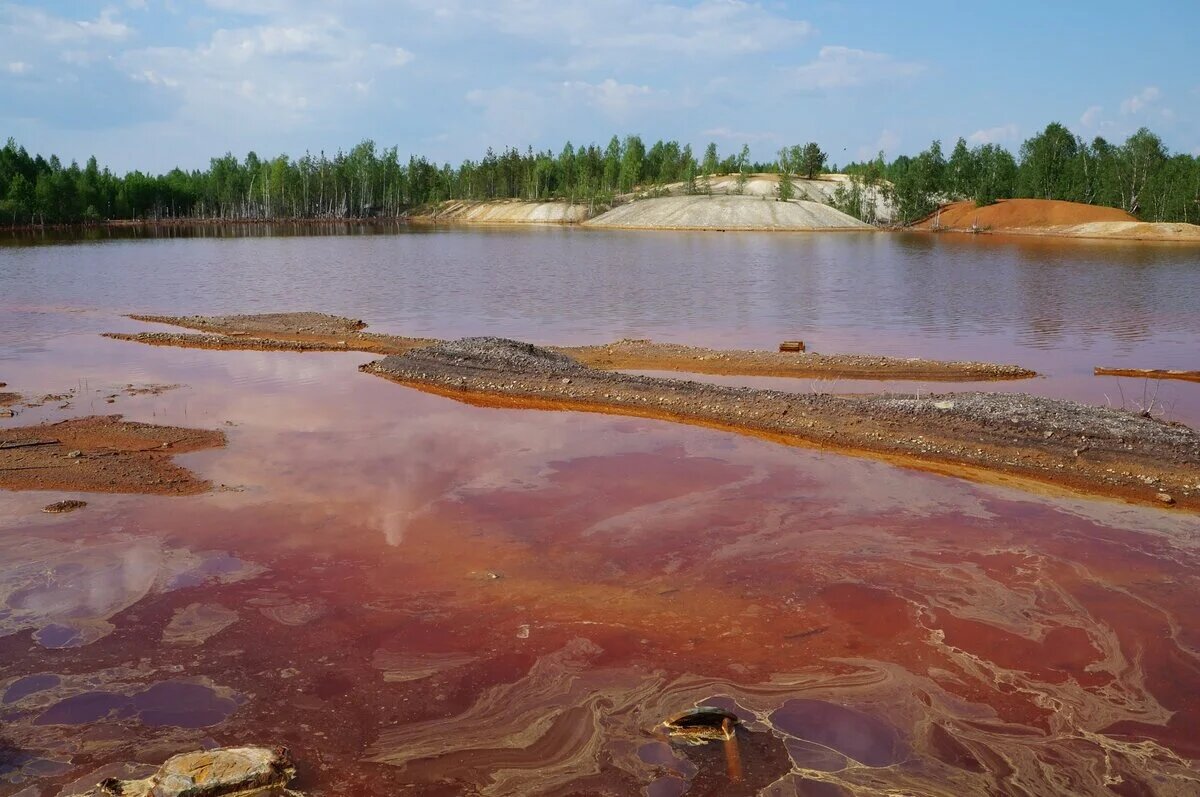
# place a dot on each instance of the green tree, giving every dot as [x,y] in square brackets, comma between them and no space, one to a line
[812,160]
[743,166]
[993,174]
[1046,164]
[631,162]
[20,198]
[1138,163]
[960,171]
[785,189]
[612,164]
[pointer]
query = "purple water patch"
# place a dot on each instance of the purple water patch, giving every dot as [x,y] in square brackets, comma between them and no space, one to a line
[81,709]
[58,636]
[182,705]
[816,757]
[30,684]
[866,739]
[170,703]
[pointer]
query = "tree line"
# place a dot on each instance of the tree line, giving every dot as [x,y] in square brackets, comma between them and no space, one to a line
[363,182]
[1140,176]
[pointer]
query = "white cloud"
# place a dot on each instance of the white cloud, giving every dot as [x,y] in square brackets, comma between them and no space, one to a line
[611,98]
[1141,100]
[626,32]
[36,24]
[1091,117]
[844,67]
[271,75]
[17,68]
[994,135]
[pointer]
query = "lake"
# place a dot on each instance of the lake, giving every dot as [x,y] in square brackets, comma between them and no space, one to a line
[418,596]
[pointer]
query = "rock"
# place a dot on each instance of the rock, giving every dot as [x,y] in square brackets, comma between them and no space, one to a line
[7,413]
[1165,498]
[244,771]
[702,724]
[69,505]
[74,454]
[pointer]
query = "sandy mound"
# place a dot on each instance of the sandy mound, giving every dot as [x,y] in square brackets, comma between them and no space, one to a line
[726,213]
[1010,214]
[1055,218]
[820,189]
[1134,231]
[506,212]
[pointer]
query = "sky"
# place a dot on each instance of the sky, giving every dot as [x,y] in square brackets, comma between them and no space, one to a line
[154,84]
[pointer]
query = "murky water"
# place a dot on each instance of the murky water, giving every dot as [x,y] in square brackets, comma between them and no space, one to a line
[418,596]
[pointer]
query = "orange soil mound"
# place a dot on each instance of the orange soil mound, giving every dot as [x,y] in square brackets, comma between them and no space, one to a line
[1014,214]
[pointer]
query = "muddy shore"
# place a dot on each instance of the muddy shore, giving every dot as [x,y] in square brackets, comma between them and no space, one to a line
[993,437]
[322,332]
[102,454]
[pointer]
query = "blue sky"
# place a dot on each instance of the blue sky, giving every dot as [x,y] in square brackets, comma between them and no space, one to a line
[154,83]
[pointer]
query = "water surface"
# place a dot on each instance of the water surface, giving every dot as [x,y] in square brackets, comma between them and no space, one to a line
[423,597]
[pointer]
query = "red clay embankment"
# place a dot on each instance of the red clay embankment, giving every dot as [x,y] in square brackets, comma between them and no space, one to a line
[1053,217]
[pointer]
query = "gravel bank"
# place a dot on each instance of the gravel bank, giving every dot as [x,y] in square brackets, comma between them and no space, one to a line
[987,436]
[102,454]
[320,332]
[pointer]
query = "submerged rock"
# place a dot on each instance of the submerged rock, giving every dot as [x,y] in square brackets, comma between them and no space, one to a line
[69,505]
[241,771]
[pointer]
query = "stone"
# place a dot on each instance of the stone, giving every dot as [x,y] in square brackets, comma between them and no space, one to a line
[244,771]
[1165,498]
[70,505]
[702,724]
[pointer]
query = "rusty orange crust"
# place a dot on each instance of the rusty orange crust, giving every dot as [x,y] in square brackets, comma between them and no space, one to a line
[1149,373]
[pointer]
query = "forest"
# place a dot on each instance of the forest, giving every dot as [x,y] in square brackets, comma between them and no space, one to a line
[1139,175]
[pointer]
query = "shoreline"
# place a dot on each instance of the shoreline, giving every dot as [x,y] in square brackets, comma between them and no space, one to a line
[432,221]
[1034,232]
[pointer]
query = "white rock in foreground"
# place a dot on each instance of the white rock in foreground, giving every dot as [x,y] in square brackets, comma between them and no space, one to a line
[233,771]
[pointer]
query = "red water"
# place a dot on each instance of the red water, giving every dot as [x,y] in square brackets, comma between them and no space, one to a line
[423,597]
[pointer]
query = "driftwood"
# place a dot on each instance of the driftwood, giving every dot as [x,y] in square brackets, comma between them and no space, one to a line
[1150,373]
[26,444]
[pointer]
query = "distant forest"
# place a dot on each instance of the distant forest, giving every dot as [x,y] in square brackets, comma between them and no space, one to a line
[1139,175]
